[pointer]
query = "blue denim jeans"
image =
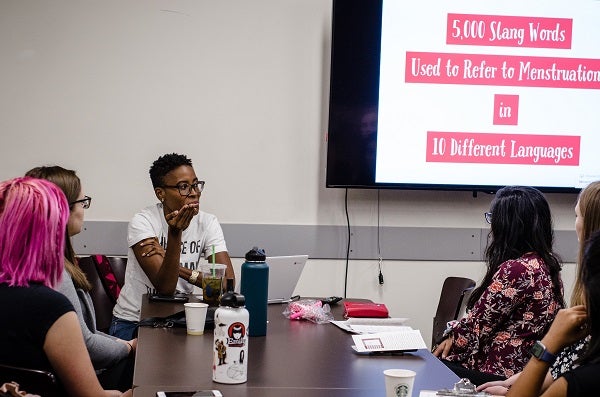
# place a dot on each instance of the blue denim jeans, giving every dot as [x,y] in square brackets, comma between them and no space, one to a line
[123,329]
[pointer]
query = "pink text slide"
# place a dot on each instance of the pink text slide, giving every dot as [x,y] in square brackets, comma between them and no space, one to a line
[461,147]
[509,31]
[502,70]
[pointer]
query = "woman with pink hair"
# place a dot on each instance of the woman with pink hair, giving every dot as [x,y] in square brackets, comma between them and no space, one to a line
[43,332]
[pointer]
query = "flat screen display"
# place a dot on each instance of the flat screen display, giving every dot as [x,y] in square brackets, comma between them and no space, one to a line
[465,95]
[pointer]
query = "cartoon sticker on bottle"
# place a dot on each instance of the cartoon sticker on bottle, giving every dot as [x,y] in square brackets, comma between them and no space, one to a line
[221,351]
[236,333]
[237,339]
[230,351]
[233,344]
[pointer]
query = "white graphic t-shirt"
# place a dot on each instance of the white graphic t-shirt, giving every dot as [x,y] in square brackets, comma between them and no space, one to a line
[197,241]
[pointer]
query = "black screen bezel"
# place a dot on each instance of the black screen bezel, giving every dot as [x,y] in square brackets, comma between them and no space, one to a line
[354,82]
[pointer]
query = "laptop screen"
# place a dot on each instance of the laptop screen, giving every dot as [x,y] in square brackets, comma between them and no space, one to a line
[284,273]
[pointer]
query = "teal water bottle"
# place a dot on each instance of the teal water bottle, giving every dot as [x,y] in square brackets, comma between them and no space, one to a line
[255,287]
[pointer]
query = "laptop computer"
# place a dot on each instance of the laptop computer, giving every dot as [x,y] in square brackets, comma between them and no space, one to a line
[284,273]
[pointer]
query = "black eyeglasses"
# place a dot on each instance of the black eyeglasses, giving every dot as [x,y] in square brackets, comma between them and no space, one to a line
[86,201]
[185,189]
[488,217]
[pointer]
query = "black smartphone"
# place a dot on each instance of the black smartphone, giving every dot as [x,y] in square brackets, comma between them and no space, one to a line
[199,393]
[169,298]
[332,300]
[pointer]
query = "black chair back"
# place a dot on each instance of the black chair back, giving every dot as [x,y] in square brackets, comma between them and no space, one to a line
[454,296]
[118,264]
[102,299]
[33,381]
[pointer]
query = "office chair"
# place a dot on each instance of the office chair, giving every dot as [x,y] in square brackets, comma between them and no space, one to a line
[104,294]
[32,381]
[454,296]
[118,264]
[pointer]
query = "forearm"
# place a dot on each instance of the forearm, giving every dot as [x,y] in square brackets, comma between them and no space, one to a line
[167,276]
[548,380]
[565,329]
[104,351]
[186,274]
[529,383]
[220,257]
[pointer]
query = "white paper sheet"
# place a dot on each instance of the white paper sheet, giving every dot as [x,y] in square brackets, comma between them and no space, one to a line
[372,325]
[389,341]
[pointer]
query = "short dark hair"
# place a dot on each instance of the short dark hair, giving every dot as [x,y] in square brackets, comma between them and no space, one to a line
[165,164]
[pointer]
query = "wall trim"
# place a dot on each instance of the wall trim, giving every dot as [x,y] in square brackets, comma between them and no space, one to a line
[329,241]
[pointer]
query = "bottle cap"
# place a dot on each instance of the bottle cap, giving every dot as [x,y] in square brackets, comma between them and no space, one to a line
[256,255]
[233,299]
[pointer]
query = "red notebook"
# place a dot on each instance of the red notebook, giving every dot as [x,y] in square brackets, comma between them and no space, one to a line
[365,309]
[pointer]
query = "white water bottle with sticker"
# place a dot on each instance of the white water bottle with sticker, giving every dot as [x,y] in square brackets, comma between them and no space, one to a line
[230,349]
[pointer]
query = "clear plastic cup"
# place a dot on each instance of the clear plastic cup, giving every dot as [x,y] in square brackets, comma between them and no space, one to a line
[212,283]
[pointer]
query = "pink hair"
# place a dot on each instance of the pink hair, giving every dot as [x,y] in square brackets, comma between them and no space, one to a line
[33,218]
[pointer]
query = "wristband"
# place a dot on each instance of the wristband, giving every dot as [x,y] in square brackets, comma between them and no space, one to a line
[194,277]
[130,347]
[540,352]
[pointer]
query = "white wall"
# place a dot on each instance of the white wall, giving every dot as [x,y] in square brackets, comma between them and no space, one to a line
[104,87]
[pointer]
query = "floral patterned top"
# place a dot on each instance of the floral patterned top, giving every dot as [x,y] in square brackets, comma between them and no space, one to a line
[565,361]
[512,313]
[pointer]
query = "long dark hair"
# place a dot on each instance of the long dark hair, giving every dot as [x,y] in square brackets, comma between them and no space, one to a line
[521,223]
[590,277]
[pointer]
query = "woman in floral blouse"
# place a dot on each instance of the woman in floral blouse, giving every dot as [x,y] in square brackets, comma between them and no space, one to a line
[518,297]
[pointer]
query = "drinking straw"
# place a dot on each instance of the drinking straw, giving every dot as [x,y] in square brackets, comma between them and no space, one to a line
[213,260]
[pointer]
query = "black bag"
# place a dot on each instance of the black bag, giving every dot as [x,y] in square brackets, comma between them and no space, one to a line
[177,320]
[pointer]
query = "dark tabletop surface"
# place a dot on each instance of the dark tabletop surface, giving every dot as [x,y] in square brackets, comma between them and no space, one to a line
[295,358]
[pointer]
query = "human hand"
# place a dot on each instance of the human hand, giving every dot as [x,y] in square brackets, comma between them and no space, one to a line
[133,343]
[180,219]
[498,387]
[444,347]
[569,326]
[152,247]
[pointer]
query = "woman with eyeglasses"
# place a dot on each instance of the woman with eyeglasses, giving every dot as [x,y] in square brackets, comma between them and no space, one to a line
[40,329]
[166,242]
[519,296]
[112,357]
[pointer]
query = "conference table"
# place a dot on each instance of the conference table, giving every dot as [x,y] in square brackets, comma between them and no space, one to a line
[295,358]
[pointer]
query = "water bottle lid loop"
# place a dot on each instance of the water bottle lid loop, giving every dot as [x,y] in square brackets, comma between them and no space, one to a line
[256,255]
[232,299]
